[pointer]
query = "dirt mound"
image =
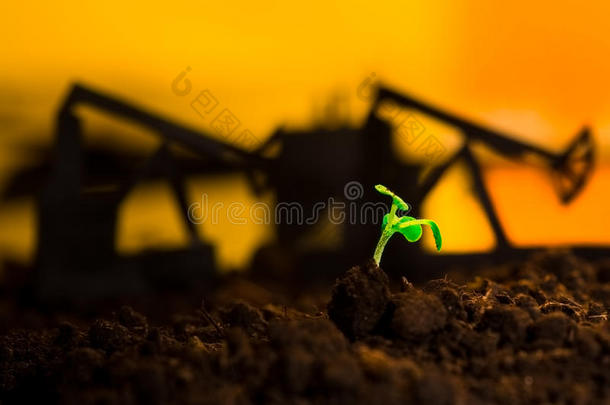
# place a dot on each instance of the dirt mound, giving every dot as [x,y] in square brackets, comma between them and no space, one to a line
[535,332]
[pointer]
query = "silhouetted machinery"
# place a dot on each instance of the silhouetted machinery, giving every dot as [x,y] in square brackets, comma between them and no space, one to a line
[76,254]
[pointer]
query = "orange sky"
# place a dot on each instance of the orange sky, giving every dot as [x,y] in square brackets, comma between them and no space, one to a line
[536,69]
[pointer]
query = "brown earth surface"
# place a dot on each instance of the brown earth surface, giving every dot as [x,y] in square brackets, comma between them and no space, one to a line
[532,333]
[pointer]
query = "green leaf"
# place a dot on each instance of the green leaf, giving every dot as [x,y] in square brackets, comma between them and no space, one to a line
[438,240]
[395,199]
[401,204]
[384,190]
[412,233]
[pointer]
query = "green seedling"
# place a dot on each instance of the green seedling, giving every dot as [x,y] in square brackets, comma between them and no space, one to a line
[409,227]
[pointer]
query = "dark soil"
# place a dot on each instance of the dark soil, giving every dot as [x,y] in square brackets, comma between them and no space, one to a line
[534,332]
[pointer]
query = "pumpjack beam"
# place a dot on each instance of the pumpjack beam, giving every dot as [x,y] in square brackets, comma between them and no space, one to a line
[198,142]
[571,168]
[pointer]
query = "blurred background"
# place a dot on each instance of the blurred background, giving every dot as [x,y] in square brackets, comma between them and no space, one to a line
[536,70]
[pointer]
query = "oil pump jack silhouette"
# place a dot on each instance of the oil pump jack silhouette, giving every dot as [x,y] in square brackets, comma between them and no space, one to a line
[76,254]
[569,171]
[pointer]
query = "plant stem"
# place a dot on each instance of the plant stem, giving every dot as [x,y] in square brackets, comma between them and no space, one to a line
[386,234]
[391,217]
[385,237]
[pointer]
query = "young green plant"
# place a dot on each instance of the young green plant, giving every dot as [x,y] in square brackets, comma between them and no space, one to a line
[409,227]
